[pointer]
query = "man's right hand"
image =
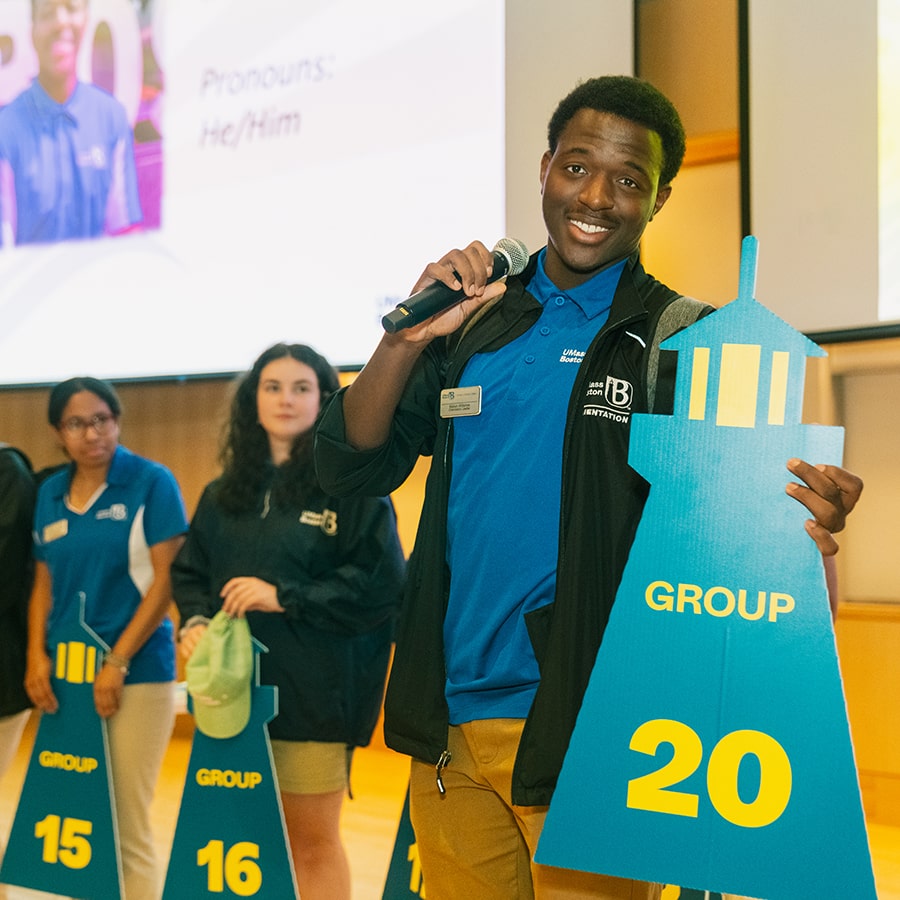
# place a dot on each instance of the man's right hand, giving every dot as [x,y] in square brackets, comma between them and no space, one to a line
[467,270]
[372,398]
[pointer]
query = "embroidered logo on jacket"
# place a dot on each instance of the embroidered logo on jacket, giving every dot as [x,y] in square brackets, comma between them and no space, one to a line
[326,520]
[609,399]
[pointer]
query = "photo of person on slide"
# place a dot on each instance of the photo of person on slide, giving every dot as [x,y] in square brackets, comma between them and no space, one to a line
[67,167]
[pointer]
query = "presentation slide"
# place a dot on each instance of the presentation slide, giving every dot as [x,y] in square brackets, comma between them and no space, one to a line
[295,166]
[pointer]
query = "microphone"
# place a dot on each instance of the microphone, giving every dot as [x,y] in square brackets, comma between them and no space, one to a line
[510,258]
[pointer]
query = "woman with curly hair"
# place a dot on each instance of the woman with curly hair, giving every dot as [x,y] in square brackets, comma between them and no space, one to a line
[318,579]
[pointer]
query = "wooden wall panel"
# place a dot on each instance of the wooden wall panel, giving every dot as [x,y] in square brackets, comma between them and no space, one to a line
[868,639]
[176,423]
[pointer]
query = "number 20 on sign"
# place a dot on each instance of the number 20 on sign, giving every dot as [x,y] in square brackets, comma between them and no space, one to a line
[655,791]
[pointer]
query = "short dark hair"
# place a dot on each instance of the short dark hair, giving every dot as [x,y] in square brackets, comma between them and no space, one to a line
[630,98]
[65,390]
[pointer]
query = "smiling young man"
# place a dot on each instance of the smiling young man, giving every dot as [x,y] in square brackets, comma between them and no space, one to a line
[67,166]
[530,507]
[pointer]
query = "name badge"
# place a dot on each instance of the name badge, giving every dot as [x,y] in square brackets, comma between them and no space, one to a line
[55,530]
[460,401]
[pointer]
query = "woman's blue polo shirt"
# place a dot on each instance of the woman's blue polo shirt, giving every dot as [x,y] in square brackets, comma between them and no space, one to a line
[103,553]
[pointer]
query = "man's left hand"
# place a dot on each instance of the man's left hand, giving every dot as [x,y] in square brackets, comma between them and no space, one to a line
[829,493]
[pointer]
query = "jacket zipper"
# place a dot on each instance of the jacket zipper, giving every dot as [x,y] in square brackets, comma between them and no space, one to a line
[442,763]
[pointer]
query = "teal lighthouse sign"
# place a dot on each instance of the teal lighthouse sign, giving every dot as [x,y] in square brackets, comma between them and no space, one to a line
[712,749]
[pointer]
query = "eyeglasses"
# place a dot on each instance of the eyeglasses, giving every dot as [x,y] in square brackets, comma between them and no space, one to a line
[75,426]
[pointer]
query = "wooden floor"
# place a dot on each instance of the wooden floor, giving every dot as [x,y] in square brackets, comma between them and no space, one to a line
[369,821]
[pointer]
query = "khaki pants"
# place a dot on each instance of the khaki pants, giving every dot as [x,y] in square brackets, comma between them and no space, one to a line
[138,737]
[11,728]
[473,844]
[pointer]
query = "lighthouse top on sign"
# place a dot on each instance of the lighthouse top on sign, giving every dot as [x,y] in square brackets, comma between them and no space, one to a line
[742,366]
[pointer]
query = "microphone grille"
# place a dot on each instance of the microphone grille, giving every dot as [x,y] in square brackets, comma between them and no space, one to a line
[515,251]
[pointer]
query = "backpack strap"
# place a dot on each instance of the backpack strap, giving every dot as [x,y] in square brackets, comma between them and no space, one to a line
[678,314]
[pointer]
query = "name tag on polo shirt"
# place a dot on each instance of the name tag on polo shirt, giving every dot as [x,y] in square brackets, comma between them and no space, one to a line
[55,530]
[460,401]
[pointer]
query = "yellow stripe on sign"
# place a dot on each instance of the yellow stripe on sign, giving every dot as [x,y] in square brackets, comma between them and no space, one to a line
[90,669]
[738,385]
[699,383]
[61,660]
[778,394]
[75,667]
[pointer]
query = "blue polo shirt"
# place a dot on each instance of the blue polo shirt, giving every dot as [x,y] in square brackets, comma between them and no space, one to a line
[104,553]
[503,516]
[66,169]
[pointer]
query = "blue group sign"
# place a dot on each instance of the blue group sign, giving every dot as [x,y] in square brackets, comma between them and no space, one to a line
[230,838]
[713,740]
[64,838]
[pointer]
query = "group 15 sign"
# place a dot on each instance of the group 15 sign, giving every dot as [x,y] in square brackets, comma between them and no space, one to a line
[64,838]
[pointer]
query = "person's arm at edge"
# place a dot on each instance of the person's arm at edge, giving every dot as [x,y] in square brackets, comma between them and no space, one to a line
[39,665]
[17,491]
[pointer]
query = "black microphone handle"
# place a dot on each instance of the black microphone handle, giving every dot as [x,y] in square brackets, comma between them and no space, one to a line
[435,298]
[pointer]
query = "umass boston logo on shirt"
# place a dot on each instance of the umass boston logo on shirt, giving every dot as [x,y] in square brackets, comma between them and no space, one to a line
[117,512]
[609,399]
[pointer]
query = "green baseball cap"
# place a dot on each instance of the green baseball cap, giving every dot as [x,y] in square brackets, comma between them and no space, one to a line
[220,677]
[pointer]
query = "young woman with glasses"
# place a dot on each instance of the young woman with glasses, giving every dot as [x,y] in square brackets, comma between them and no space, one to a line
[107,528]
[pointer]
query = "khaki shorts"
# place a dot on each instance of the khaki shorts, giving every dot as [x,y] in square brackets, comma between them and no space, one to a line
[312,767]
